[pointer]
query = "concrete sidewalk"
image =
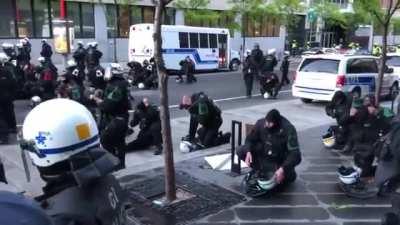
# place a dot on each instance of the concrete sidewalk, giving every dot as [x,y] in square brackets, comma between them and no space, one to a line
[302,116]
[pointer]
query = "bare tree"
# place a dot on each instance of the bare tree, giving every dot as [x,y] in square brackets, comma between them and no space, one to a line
[382,15]
[170,189]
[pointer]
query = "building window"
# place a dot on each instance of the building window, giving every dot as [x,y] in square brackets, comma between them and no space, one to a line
[136,15]
[169,16]
[124,23]
[74,15]
[261,27]
[148,14]
[24,18]
[183,40]
[7,23]
[194,40]
[213,40]
[87,20]
[111,20]
[41,18]
[203,40]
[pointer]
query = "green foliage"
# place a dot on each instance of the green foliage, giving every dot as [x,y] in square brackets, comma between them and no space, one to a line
[331,14]
[196,11]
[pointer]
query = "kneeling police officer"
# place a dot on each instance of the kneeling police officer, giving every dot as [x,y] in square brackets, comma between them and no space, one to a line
[272,146]
[203,111]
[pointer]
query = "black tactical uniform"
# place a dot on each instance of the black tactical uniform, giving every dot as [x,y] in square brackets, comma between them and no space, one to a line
[277,145]
[339,109]
[7,96]
[47,81]
[257,60]
[79,57]
[203,111]
[148,119]
[82,190]
[248,76]
[187,68]
[93,65]
[285,70]
[270,63]
[114,117]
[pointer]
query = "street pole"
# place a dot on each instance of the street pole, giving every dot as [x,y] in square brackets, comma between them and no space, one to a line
[243,32]
[63,17]
[116,31]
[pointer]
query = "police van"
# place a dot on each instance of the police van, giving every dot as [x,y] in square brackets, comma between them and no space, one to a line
[318,77]
[209,48]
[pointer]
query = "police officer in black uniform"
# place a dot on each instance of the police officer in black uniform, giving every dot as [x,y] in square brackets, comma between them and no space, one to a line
[273,140]
[7,92]
[203,111]
[187,68]
[80,56]
[79,187]
[114,107]
[257,60]
[147,116]
[46,53]
[47,79]
[95,71]
[248,74]
[285,69]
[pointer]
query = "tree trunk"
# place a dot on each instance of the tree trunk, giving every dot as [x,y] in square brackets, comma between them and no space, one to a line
[170,189]
[382,66]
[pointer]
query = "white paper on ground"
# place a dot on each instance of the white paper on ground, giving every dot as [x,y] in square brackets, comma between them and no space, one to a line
[222,162]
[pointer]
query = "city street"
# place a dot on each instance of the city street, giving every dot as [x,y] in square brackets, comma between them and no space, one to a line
[314,199]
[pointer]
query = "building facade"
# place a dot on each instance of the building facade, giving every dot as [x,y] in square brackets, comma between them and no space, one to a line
[96,20]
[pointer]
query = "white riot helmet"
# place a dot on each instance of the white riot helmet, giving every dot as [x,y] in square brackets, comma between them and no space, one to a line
[35,100]
[186,146]
[268,183]
[6,45]
[41,59]
[114,69]
[71,63]
[349,175]
[272,51]
[3,58]
[141,86]
[92,44]
[247,53]
[57,129]
[329,139]
[266,95]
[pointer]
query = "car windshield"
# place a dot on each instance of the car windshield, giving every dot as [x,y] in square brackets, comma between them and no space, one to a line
[393,61]
[320,66]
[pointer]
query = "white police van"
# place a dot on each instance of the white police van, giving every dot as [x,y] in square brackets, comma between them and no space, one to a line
[209,48]
[318,77]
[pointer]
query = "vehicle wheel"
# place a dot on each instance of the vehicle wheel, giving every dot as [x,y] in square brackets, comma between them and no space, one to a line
[356,92]
[306,100]
[234,65]
[394,91]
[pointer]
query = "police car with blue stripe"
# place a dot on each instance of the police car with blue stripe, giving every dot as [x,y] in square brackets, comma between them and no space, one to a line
[209,48]
[318,77]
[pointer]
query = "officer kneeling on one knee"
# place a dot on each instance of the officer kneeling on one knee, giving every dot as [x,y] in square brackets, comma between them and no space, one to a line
[114,107]
[62,140]
[272,145]
[203,111]
[147,116]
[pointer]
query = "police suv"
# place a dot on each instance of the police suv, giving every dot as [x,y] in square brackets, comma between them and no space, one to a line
[318,77]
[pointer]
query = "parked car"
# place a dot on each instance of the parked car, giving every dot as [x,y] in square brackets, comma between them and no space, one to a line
[318,77]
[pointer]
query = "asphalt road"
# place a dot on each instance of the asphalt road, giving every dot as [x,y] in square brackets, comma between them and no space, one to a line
[226,88]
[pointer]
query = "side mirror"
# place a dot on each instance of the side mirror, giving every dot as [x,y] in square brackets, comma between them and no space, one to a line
[389,70]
